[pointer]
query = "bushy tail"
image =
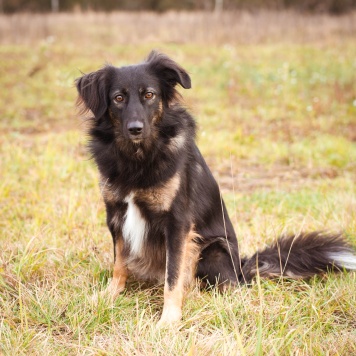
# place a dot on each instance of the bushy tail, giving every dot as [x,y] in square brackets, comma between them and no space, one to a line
[301,256]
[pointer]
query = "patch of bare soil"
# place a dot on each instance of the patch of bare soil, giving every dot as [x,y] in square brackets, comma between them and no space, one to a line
[245,177]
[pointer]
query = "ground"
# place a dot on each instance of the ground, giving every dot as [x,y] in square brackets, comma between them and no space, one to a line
[274,95]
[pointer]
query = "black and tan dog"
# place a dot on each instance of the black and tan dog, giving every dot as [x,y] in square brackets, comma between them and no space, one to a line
[164,208]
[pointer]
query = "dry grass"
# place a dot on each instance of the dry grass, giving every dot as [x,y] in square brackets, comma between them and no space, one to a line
[240,27]
[274,95]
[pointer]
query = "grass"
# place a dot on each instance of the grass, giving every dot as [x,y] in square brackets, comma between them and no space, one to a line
[276,110]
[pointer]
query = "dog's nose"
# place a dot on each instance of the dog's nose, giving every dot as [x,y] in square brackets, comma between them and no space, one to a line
[135,127]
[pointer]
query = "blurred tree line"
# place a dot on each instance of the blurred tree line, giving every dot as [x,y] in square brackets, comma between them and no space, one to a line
[330,6]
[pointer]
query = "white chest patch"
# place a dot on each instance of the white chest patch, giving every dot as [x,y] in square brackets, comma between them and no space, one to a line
[135,227]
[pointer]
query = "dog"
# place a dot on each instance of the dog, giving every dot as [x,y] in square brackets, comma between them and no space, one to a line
[164,209]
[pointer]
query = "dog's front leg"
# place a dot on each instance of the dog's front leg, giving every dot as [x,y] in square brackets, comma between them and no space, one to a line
[181,259]
[117,284]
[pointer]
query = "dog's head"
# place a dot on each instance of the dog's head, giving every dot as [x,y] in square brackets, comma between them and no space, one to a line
[132,97]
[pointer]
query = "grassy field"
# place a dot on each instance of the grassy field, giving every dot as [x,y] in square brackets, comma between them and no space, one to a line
[274,95]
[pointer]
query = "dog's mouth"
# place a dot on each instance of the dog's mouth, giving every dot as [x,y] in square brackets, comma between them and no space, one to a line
[136,140]
[139,141]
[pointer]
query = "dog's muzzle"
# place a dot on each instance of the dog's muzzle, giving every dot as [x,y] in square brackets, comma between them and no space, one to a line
[135,129]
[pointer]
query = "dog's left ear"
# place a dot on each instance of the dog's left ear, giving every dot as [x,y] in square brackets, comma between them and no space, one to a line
[93,92]
[169,74]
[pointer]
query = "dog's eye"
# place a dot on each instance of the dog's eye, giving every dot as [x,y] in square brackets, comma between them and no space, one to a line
[119,98]
[149,95]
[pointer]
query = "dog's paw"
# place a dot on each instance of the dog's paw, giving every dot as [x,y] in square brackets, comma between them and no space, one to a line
[170,317]
[112,291]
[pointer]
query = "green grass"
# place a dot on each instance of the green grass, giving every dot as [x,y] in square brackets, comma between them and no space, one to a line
[277,125]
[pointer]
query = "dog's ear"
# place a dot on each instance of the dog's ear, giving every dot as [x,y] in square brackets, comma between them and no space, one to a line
[93,92]
[169,74]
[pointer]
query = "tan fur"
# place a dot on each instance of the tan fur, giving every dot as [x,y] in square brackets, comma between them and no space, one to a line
[177,142]
[268,271]
[149,267]
[160,198]
[116,220]
[109,194]
[158,115]
[114,122]
[117,284]
[173,298]
[190,257]
[199,168]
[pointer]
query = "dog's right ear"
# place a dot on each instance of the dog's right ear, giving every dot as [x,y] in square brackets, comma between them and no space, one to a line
[93,92]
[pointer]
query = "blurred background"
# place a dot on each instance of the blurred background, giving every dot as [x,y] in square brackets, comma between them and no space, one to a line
[330,6]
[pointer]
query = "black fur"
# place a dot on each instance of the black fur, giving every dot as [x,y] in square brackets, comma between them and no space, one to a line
[163,147]
[297,256]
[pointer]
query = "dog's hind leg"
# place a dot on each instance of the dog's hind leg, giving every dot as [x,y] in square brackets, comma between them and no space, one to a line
[218,267]
[181,262]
